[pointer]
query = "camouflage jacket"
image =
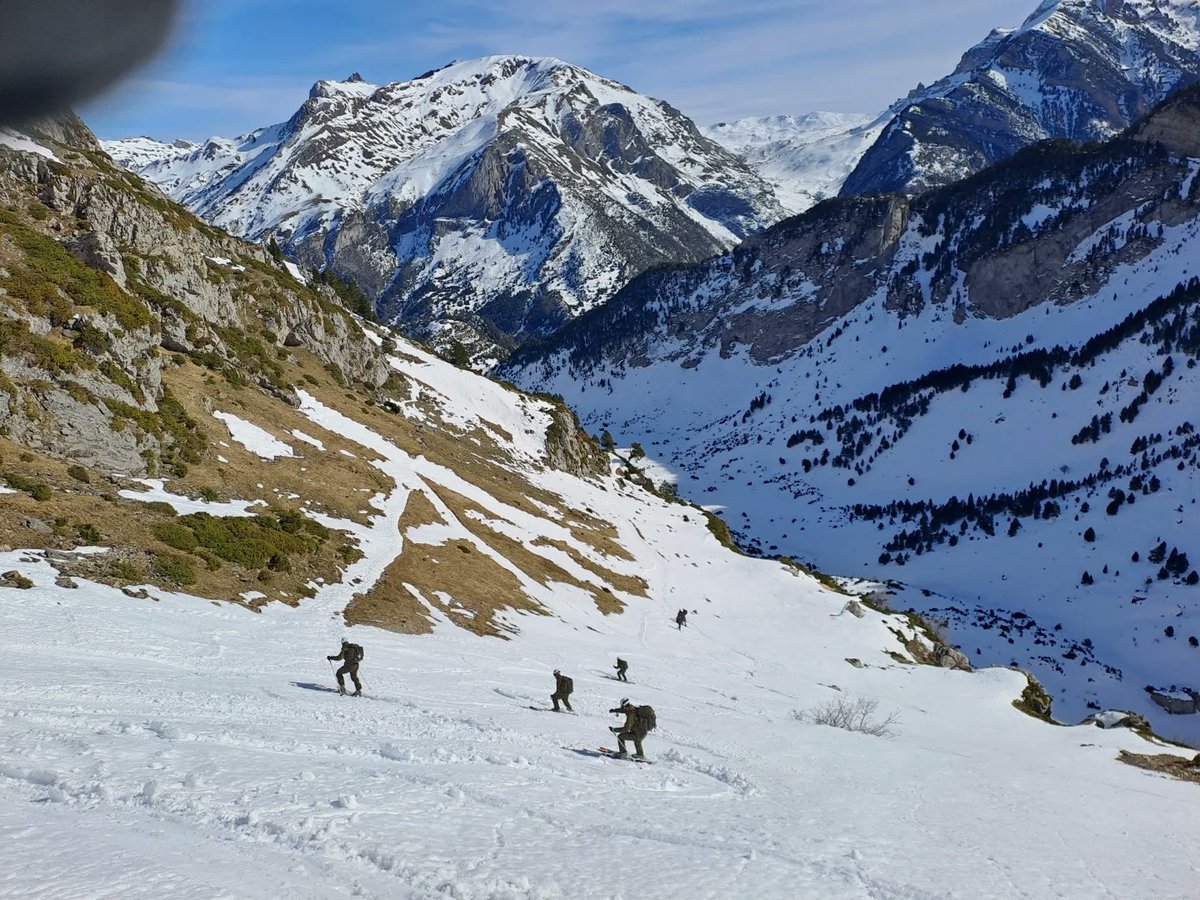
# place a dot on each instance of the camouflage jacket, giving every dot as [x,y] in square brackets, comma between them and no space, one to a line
[351,653]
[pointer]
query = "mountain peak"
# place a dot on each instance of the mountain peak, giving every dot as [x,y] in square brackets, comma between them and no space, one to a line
[1017,87]
[354,86]
[561,185]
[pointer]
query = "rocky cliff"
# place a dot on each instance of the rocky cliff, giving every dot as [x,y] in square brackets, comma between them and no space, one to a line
[488,201]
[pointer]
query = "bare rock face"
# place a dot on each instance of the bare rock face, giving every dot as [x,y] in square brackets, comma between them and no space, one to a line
[571,449]
[1177,705]
[133,277]
[855,609]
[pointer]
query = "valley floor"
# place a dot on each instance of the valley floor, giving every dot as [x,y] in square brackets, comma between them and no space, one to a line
[184,748]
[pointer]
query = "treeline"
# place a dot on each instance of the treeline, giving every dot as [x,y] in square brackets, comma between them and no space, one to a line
[1174,323]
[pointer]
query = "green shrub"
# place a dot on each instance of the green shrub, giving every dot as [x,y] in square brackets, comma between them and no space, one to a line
[178,569]
[162,507]
[46,353]
[79,473]
[210,494]
[89,533]
[127,572]
[48,266]
[175,535]
[36,489]
[247,542]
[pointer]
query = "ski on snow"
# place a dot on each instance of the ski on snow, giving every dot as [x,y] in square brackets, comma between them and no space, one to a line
[614,754]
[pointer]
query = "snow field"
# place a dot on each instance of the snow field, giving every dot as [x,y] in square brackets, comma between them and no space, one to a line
[215,733]
[690,423]
[187,748]
[256,440]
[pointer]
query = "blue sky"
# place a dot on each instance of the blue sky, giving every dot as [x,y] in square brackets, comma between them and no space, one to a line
[235,65]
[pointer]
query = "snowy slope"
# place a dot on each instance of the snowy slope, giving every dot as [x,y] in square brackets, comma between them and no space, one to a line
[176,746]
[1076,69]
[523,190]
[805,158]
[804,385]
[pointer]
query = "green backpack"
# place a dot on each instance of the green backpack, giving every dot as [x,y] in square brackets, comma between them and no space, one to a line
[646,716]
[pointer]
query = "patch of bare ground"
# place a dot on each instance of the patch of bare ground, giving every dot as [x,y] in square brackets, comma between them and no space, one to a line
[1166,763]
[469,585]
[76,506]
[535,566]
[327,481]
[389,604]
[628,584]
[339,481]
[473,455]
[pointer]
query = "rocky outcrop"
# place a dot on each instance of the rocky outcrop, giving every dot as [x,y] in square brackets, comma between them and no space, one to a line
[99,273]
[1178,703]
[571,449]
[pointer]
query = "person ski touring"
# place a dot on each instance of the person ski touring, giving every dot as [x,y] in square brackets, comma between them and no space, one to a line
[681,619]
[639,721]
[351,655]
[563,688]
[621,668]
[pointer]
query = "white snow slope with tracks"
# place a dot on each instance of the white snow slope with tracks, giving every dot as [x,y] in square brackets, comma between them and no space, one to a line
[176,747]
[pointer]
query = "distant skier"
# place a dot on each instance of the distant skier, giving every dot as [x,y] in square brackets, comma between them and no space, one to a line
[563,688]
[351,656]
[639,721]
[621,668]
[681,619]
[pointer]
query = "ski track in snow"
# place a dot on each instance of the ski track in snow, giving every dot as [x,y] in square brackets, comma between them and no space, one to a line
[180,747]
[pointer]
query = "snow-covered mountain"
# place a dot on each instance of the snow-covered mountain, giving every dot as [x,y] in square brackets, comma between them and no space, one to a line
[171,725]
[171,728]
[1076,69]
[520,191]
[805,158]
[986,392]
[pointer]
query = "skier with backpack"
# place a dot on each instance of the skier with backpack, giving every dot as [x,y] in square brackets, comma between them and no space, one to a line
[563,688]
[639,721]
[681,619]
[351,655]
[621,668]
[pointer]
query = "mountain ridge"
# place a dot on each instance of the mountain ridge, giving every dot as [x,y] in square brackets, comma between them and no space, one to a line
[808,381]
[513,189]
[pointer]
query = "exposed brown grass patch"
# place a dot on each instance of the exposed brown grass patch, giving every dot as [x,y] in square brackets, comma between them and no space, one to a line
[78,514]
[536,567]
[332,482]
[1166,763]
[629,584]
[477,584]
[388,603]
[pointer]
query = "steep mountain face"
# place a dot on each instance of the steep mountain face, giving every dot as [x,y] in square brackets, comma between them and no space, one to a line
[174,397]
[102,276]
[806,159]
[1076,69]
[968,391]
[506,193]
